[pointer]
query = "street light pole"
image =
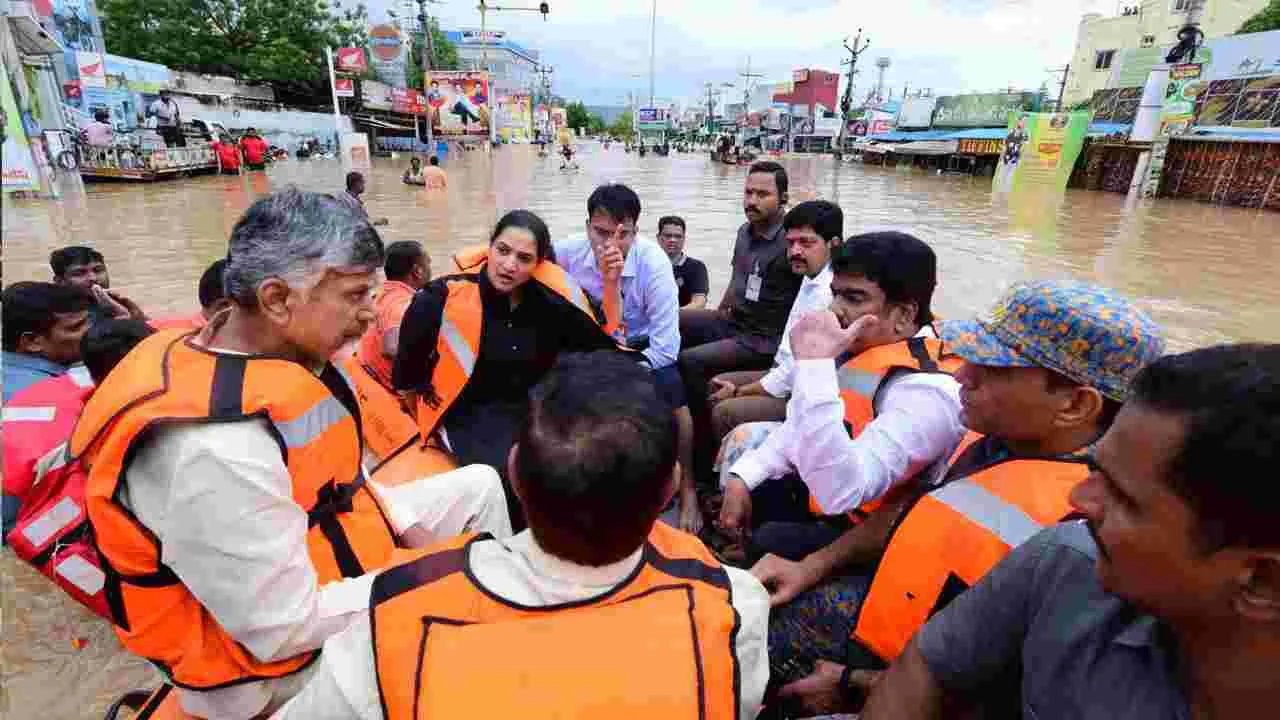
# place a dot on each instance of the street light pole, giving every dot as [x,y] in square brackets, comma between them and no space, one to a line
[653,39]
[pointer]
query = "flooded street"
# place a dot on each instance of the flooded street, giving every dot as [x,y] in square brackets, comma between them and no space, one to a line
[1206,273]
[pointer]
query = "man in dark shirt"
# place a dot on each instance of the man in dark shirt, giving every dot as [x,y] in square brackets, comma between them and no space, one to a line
[691,273]
[743,332]
[1165,602]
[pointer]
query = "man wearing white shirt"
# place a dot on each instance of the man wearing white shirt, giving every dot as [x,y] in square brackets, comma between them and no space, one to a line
[611,251]
[812,229]
[245,530]
[884,280]
[464,628]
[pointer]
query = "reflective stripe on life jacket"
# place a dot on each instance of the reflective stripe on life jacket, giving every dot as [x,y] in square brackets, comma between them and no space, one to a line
[461,327]
[385,424]
[954,535]
[315,419]
[861,379]
[38,420]
[661,645]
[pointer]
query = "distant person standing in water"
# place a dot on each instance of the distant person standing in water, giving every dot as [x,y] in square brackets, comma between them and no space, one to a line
[168,119]
[254,149]
[351,196]
[434,176]
[413,175]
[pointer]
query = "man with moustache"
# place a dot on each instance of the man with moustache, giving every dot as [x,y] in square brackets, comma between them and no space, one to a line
[744,331]
[1044,375]
[1165,603]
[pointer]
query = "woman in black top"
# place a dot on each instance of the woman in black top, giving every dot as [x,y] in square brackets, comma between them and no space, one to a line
[525,327]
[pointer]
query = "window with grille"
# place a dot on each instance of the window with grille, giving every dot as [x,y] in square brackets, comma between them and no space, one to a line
[1102,60]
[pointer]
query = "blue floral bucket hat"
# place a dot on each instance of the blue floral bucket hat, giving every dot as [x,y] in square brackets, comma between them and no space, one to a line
[1087,333]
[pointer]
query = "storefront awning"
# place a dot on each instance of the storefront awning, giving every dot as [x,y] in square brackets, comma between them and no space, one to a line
[927,147]
[28,36]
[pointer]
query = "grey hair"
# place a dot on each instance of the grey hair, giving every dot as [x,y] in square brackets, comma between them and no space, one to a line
[293,234]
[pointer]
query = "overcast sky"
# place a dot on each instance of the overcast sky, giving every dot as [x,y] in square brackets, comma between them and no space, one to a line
[596,46]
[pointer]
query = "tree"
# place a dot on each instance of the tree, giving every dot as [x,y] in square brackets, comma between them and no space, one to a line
[595,124]
[622,126]
[1268,18]
[444,55]
[577,115]
[277,41]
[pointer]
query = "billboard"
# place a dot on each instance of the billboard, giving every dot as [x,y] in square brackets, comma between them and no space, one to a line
[1178,110]
[458,103]
[916,112]
[654,119]
[408,101]
[1117,105]
[515,117]
[19,165]
[1224,58]
[375,95]
[92,67]
[1239,103]
[389,53]
[1040,150]
[344,87]
[351,60]
[982,110]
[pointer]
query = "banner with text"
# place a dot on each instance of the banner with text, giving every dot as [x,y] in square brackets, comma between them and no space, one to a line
[1178,111]
[982,110]
[19,165]
[458,103]
[1040,150]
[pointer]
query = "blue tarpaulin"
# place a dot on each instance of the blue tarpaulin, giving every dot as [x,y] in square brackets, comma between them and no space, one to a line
[977,134]
[903,136]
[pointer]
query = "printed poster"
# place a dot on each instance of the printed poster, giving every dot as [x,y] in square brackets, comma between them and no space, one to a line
[458,103]
[1178,111]
[19,165]
[1040,150]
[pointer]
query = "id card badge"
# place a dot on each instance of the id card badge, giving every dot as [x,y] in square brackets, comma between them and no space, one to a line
[754,283]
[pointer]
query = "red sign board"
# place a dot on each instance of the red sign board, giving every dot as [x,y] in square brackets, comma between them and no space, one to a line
[409,101]
[344,87]
[799,76]
[352,60]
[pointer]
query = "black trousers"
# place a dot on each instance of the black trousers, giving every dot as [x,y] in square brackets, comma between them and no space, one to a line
[710,345]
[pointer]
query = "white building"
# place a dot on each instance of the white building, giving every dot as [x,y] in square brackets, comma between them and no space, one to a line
[1148,26]
[514,68]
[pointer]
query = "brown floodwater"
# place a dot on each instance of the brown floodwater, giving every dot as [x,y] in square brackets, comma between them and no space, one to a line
[1206,273]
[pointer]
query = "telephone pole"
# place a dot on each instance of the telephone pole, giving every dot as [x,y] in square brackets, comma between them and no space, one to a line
[1062,84]
[859,46]
[747,77]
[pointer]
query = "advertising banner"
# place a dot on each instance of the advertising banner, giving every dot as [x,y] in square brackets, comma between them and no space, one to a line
[407,101]
[656,119]
[1178,110]
[458,103]
[19,165]
[93,69]
[1040,151]
[916,112]
[351,60]
[1116,105]
[389,53]
[375,95]
[344,87]
[1242,103]
[515,117]
[985,110]
[355,150]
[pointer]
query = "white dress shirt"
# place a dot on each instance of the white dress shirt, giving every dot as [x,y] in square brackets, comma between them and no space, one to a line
[219,499]
[916,429]
[815,294]
[650,298]
[345,684]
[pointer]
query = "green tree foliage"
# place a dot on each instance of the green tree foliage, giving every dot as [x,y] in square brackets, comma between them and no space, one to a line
[577,115]
[622,126]
[276,41]
[595,124]
[444,55]
[1268,18]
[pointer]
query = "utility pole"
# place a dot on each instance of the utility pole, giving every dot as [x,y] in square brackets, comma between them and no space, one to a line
[747,77]
[428,64]
[653,44]
[859,46]
[1062,84]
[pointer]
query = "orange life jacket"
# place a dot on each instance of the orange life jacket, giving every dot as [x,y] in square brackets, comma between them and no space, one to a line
[385,424]
[194,321]
[470,260]
[39,420]
[168,379]
[661,645]
[860,380]
[411,462]
[954,535]
[458,341]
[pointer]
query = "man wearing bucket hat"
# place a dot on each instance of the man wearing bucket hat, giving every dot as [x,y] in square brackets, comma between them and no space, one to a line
[1044,376]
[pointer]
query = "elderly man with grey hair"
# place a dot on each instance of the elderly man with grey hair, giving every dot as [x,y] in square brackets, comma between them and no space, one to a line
[244,470]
